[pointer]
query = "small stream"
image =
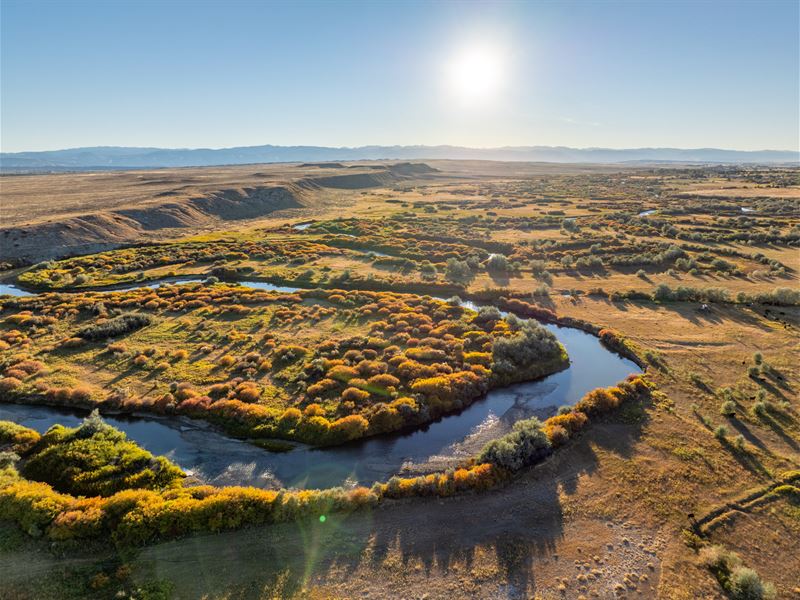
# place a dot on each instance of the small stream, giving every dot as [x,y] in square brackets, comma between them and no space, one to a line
[215,458]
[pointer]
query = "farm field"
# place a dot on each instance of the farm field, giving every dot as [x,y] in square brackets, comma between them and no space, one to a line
[340,311]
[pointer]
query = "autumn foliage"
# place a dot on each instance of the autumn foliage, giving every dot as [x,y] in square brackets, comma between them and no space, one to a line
[402,361]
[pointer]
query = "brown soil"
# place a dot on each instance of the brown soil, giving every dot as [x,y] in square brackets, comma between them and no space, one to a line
[100,211]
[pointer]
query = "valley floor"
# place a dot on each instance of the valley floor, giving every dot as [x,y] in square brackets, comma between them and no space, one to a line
[607,516]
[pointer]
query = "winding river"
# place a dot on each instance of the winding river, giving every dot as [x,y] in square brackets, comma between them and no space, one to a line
[215,458]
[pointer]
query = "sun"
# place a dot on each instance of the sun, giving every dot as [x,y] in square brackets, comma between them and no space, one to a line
[475,74]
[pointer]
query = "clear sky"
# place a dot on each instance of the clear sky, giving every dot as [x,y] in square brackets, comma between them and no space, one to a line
[234,73]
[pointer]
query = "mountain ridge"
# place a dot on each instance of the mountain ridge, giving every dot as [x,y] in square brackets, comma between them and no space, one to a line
[105,157]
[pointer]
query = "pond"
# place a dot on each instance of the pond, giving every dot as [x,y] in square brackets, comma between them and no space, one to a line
[214,458]
[12,290]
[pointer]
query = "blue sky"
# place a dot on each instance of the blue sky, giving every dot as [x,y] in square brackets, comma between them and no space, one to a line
[218,74]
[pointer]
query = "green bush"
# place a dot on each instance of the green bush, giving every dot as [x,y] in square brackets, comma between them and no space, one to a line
[746,584]
[526,444]
[96,459]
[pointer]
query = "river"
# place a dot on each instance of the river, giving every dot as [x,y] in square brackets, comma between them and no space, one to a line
[215,458]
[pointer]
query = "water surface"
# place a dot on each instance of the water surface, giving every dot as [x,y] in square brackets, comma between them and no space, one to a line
[215,458]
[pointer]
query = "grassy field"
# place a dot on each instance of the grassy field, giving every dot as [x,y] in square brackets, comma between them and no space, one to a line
[704,286]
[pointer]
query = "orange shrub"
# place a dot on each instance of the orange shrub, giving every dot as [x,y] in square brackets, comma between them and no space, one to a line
[313,410]
[29,366]
[9,383]
[322,386]
[349,428]
[248,392]
[290,417]
[73,342]
[355,395]
[218,390]
[81,393]
[572,422]
[383,381]
[557,435]
[16,374]
[226,361]
[599,401]
[184,391]
[342,373]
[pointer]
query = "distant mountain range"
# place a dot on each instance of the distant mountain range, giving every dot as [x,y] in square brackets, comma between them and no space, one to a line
[112,157]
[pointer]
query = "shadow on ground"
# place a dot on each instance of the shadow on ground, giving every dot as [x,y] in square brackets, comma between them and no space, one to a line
[520,524]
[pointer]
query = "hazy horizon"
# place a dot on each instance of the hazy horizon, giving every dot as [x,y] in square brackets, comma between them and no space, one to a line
[443,145]
[616,75]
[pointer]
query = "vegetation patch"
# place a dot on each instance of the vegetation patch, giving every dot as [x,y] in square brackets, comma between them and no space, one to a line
[107,485]
[319,366]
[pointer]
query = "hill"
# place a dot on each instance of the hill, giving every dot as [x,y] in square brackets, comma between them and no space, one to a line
[104,157]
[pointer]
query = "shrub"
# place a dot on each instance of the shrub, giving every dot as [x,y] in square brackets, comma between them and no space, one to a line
[498,262]
[517,357]
[721,432]
[248,392]
[557,435]
[760,408]
[28,366]
[9,383]
[746,584]
[598,401]
[81,394]
[288,354]
[571,421]
[73,342]
[314,410]
[538,266]
[226,361]
[742,583]
[356,395]
[728,408]
[382,381]
[16,374]
[19,438]
[457,269]
[96,459]
[349,428]
[524,445]
[120,325]
[290,417]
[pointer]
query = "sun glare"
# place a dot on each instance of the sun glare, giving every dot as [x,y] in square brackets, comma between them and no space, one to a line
[475,74]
